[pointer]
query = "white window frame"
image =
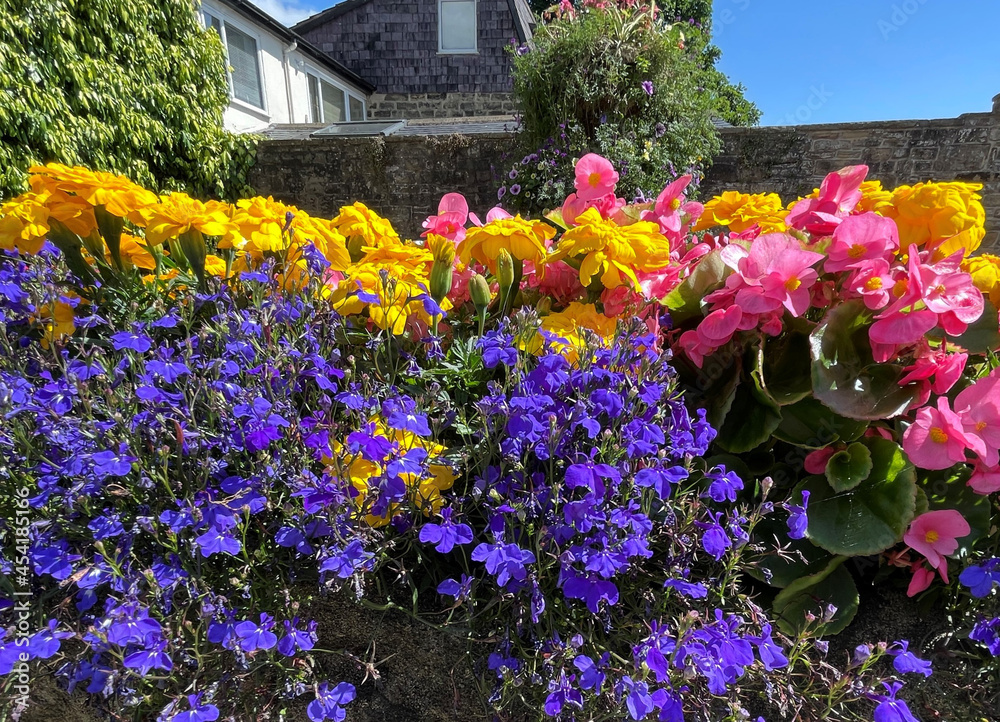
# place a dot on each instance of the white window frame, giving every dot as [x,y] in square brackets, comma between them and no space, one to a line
[474,50]
[248,30]
[339,85]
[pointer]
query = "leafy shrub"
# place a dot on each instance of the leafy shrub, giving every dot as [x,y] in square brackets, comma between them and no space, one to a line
[483,430]
[135,87]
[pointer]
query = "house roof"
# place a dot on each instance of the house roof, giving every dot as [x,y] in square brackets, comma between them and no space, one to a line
[524,19]
[257,15]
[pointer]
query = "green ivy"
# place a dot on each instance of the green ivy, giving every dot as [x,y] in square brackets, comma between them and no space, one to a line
[131,86]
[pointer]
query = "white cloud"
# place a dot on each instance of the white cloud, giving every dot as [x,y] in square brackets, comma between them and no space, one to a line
[287,12]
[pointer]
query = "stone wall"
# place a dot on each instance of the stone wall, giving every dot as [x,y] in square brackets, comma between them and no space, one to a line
[403,177]
[439,105]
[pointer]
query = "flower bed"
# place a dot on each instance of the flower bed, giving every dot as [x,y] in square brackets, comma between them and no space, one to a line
[636,455]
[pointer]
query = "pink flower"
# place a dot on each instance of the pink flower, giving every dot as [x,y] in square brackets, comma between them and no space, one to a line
[561,282]
[595,177]
[860,239]
[453,213]
[945,368]
[494,214]
[985,479]
[838,195]
[574,206]
[671,212]
[873,281]
[935,534]
[715,330]
[815,462]
[936,440]
[902,329]
[979,408]
[921,579]
[655,285]
[783,271]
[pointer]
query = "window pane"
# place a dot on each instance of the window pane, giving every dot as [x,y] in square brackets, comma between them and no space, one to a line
[357,108]
[314,105]
[214,23]
[334,108]
[458,24]
[246,73]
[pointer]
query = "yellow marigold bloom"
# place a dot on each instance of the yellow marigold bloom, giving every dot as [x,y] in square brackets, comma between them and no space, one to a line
[942,217]
[178,213]
[362,226]
[134,253]
[391,292]
[874,198]
[423,491]
[985,272]
[215,266]
[58,322]
[24,224]
[400,259]
[325,237]
[741,211]
[260,222]
[523,239]
[119,196]
[572,327]
[441,248]
[615,252]
[72,211]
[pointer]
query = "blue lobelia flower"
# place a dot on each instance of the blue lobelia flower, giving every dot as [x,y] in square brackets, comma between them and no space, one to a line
[253,636]
[981,578]
[798,521]
[446,535]
[906,661]
[329,703]
[889,708]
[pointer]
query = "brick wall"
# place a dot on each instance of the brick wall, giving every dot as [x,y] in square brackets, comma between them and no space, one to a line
[394,46]
[413,106]
[403,177]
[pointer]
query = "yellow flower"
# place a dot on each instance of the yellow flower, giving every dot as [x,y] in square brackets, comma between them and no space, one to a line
[362,226]
[119,196]
[942,217]
[215,266]
[24,224]
[57,319]
[523,239]
[134,253]
[741,211]
[572,329]
[985,272]
[260,222]
[423,491]
[874,198]
[178,213]
[616,252]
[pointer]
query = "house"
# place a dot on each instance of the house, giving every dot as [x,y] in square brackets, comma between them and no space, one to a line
[276,76]
[429,58]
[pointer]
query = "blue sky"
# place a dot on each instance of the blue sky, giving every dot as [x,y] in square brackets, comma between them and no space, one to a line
[827,61]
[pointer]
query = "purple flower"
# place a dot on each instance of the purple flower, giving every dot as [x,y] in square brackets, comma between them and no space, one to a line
[501,193]
[513,174]
[906,661]
[345,562]
[446,535]
[988,632]
[401,414]
[255,636]
[215,541]
[329,703]
[145,660]
[458,589]
[772,656]
[198,713]
[715,541]
[693,590]
[889,708]
[724,485]
[980,578]
[505,561]
[297,639]
[562,693]
[139,343]
[515,189]
[591,672]
[798,522]
[647,87]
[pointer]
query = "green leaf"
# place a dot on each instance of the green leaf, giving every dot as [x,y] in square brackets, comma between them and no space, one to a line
[812,594]
[785,364]
[797,558]
[849,467]
[685,301]
[752,419]
[845,376]
[874,514]
[813,425]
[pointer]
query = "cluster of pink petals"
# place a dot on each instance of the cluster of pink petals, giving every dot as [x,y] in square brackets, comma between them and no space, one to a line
[933,370]
[941,436]
[934,534]
[773,276]
[838,195]
[673,212]
[452,215]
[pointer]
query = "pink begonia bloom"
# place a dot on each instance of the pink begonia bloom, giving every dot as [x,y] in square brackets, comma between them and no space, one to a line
[777,263]
[873,281]
[816,461]
[937,439]
[453,214]
[945,368]
[494,214]
[902,329]
[715,330]
[985,479]
[672,212]
[838,195]
[883,352]
[561,282]
[574,206]
[922,578]
[859,239]
[979,408]
[459,292]
[595,177]
[935,534]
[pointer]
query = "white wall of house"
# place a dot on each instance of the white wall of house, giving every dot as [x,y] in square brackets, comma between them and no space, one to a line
[270,78]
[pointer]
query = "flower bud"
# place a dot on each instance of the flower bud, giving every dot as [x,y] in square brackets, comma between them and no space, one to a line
[443,269]
[479,291]
[505,270]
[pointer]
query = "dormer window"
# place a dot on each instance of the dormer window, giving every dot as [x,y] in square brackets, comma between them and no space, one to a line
[457,26]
